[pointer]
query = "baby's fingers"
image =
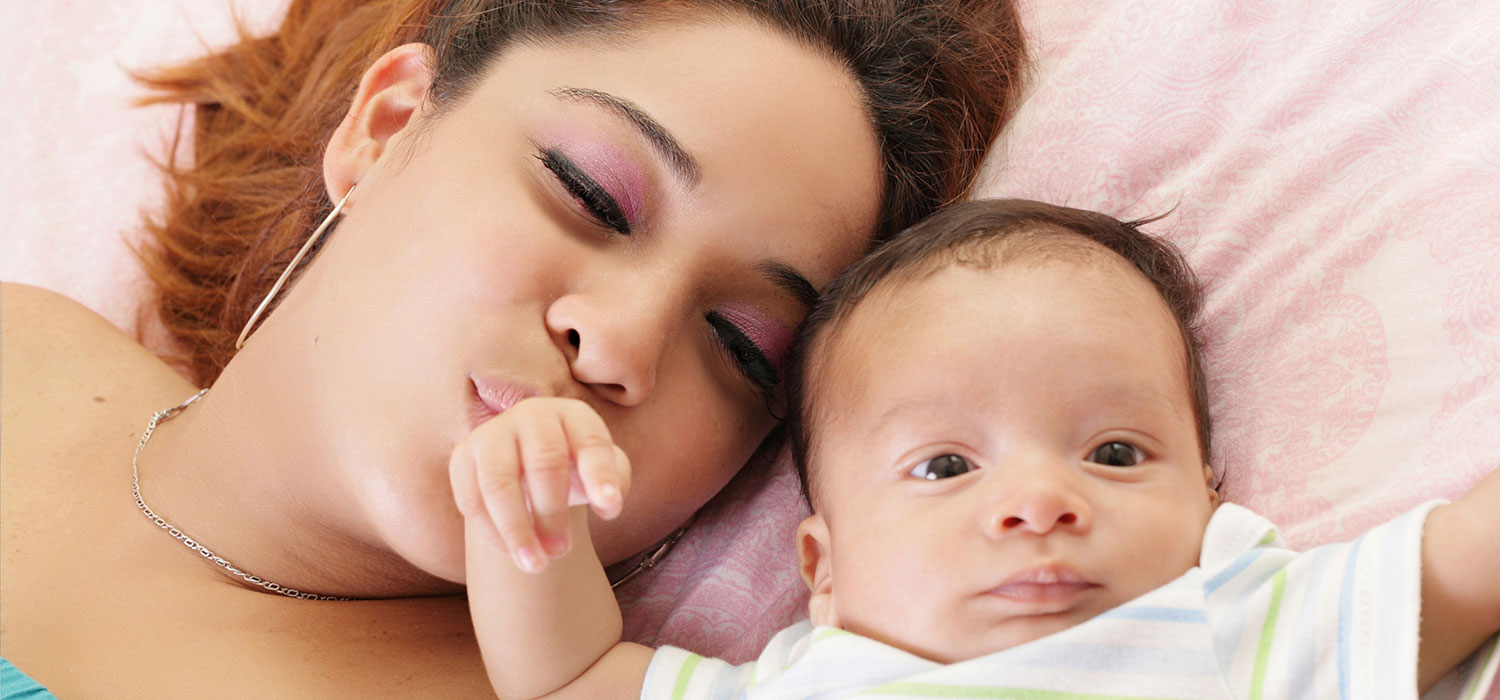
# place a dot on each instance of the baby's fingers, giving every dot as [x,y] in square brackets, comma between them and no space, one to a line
[465,482]
[547,469]
[497,472]
[603,470]
[621,487]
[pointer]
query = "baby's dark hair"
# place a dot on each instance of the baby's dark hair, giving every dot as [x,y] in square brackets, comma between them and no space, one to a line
[986,234]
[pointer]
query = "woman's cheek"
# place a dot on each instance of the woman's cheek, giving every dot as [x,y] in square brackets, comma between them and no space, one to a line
[673,477]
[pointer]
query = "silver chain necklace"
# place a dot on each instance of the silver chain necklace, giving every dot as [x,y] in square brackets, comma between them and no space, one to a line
[647,560]
[206,553]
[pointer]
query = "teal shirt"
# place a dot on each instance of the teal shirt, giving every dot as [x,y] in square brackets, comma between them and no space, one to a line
[16,685]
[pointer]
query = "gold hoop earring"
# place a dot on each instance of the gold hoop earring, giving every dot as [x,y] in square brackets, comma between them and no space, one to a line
[287,273]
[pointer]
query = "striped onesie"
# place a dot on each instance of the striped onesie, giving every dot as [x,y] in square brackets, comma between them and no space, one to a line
[1254,620]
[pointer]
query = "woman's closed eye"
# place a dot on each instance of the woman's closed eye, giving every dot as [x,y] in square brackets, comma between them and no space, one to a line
[601,205]
[1117,454]
[942,467]
[750,359]
[757,364]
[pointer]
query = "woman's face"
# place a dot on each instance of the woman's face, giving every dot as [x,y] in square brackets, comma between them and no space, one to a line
[632,224]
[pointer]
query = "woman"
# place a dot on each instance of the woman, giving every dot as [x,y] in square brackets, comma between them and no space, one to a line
[630,204]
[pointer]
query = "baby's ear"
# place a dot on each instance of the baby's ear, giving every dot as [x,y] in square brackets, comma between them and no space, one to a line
[815,561]
[1208,480]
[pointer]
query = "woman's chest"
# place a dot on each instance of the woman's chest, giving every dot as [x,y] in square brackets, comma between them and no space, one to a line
[117,638]
[97,602]
[126,650]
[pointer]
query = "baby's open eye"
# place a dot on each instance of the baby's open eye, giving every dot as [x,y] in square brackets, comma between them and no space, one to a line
[1117,454]
[942,467]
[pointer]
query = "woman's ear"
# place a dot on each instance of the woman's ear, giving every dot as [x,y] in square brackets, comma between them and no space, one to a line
[815,561]
[389,95]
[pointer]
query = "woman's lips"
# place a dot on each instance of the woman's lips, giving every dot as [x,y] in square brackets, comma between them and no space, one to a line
[493,397]
[1049,586]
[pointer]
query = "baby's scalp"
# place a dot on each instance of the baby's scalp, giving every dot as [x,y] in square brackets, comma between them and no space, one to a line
[986,235]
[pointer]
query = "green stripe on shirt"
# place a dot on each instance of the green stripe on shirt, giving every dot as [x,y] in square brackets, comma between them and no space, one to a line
[1267,633]
[679,690]
[1478,679]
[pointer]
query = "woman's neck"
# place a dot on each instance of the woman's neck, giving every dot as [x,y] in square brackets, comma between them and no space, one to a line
[242,473]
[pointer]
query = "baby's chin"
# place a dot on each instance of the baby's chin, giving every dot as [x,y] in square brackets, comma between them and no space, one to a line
[1008,634]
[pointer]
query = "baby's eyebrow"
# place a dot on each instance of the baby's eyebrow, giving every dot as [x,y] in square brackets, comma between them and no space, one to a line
[897,413]
[1141,399]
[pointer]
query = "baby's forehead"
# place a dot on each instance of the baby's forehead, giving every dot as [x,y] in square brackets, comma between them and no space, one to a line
[923,325]
[901,302]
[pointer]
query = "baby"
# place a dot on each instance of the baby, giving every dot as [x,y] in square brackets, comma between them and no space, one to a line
[1001,424]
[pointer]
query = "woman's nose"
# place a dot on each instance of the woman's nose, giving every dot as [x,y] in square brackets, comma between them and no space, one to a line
[614,348]
[1040,501]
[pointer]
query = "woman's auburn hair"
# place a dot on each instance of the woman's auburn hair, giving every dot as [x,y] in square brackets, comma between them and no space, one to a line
[939,80]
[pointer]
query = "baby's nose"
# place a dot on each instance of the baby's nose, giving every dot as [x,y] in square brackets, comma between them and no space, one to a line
[1038,504]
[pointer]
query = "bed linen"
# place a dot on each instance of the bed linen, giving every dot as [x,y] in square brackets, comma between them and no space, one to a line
[1331,169]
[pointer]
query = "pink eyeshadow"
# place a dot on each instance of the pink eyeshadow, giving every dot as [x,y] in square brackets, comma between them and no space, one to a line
[619,174]
[773,338]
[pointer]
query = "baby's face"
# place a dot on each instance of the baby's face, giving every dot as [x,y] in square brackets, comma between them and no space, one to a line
[1004,454]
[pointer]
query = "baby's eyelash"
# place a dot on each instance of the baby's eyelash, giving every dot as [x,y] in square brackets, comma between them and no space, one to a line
[588,191]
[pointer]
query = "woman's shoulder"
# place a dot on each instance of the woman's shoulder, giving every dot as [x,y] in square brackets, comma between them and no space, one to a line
[31,315]
[57,351]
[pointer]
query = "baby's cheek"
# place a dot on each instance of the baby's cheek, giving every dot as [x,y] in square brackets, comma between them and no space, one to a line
[878,617]
[1177,553]
[884,593]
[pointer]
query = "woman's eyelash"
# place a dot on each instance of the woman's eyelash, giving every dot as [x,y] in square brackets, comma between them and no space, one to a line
[747,356]
[588,191]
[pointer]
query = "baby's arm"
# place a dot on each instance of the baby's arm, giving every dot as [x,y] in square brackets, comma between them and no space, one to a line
[554,629]
[554,633]
[1460,580]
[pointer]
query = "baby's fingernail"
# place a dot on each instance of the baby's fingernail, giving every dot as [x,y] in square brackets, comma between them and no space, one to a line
[527,560]
[556,545]
[608,504]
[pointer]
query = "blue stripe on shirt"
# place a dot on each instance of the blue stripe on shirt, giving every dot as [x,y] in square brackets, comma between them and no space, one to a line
[1234,568]
[1157,613]
[1300,650]
[1346,617]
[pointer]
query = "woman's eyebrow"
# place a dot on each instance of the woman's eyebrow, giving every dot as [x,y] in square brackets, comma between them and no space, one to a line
[668,146]
[791,281]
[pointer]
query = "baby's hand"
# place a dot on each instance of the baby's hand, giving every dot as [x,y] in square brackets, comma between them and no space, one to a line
[520,471]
